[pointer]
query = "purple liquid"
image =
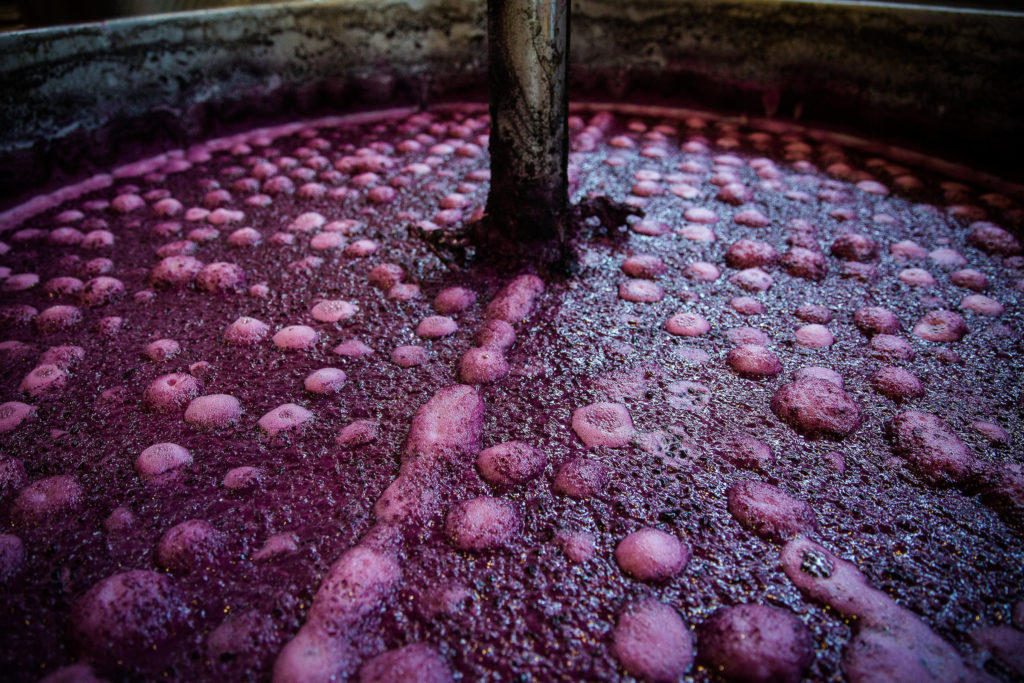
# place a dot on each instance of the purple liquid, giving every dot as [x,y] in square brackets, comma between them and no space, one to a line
[531,614]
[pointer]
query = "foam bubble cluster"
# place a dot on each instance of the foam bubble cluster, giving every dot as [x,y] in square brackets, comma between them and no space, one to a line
[651,642]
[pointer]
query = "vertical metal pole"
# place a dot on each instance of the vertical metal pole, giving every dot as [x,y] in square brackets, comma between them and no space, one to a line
[528,49]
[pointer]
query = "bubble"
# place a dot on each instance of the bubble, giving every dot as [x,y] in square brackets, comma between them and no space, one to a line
[917,277]
[814,372]
[352,348]
[245,237]
[495,334]
[124,616]
[992,239]
[385,275]
[581,478]
[747,335]
[13,414]
[454,300]
[404,292]
[168,206]
[969,278]
[896,383]
[282,239]
[277,545]
[178,248]
[221,277]
[651,642]
[754,361]
[746,452]
[482,365]
[578,546]
[62,286]
[931,447]
[65,237]
[890,643]
[872,320]
[436,326]
[696,214]
[907,250]
[701,271]
[816,407]
[684,190]
[358,433]
[161,458]
[58,319]
[246,331]
[854,246]
[95,267]
[510,464]
[187,546]
[20,282]
[981,304]
[409,356]
[312,655]
[755,643]
[744,305]
[650,228]
[355,584]
[175,271]
[644,266]
[603,424]
[651,555]
[804,263]
[940,326]
[746,253]
[326,241]
[752,279]
[696,232]
[165,229]
[814,336]
[481,523]
[306,222]
[993,433]
[751,218]
[515,301]
[945,256]
[126,203]
[43,380]
[214,411]
[101,290]
[284,418]
[97,239]
[171,392]
[242,478]
[641,291]
[46,499]
[769,512]
[325,381]
[361,248]
[295,338]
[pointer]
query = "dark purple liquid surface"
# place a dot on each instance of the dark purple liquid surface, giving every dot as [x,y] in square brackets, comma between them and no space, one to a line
[532,614]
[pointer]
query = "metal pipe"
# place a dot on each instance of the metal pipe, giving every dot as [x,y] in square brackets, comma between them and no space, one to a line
[528,49]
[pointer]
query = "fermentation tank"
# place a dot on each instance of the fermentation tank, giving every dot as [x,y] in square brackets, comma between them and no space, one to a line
[274,406]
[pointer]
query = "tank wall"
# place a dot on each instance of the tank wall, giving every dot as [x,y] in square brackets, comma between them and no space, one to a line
[79,96]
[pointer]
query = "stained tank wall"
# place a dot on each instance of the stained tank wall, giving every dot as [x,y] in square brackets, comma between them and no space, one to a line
[76,97]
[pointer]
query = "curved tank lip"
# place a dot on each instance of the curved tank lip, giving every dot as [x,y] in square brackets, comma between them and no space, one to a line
[88,92]
[18,214]
[272,7]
